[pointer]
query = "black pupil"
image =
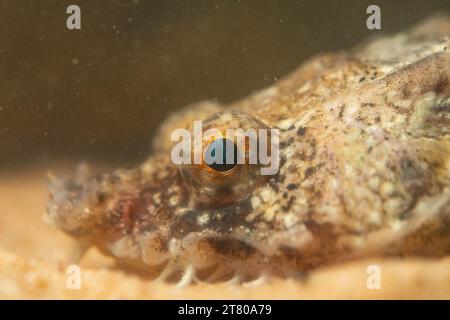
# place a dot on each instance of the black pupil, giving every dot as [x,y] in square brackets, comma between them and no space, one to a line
[221,155]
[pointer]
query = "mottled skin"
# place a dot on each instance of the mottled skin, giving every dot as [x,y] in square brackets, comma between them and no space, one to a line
[365,170]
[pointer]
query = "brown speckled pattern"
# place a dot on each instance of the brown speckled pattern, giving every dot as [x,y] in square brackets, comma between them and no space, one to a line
[364,170]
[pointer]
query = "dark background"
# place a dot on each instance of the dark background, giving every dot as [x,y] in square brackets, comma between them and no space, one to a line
[100,93]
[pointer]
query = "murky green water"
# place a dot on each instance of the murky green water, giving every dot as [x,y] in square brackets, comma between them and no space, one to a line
[100,92]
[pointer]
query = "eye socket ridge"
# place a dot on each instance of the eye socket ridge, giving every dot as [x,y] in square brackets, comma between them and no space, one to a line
[214,181]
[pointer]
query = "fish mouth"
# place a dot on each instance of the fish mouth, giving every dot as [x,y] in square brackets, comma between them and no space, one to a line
[69,198]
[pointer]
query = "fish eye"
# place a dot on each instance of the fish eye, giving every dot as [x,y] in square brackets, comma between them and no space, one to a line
[225,174]
[221,155]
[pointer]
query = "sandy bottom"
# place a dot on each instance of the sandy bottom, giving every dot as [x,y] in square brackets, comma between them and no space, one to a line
[33,258]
